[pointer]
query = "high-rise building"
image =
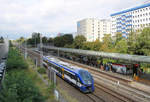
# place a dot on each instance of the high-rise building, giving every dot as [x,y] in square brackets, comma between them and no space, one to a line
[135,18]
[93,28]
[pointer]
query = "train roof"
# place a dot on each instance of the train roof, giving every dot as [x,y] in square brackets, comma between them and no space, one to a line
[66,65]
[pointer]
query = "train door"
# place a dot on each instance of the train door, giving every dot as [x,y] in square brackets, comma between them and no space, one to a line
[62,73]
[78,82]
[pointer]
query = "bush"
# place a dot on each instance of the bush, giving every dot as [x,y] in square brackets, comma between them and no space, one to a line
[15,60]
[18,87]
[41,70]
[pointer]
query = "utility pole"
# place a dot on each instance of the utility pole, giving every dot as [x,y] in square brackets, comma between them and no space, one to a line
[25,56]
[41,51]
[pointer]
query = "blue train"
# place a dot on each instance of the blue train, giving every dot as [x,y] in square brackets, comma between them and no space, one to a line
[80,78]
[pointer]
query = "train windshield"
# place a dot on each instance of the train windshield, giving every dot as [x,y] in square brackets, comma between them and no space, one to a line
[86,76]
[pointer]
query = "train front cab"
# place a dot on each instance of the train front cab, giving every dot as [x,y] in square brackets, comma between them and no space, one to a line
[87,81]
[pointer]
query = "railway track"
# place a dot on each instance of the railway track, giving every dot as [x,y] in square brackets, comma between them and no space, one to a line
[119,97]
[113,78]
[134,92]
[95,98]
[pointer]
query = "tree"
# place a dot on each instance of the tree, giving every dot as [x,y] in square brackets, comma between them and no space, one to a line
[21,40]
[18,87]
[34,40]
[61,41]
[95,46]
[107,44]
[44,40]
[50,40]
[121,46]
[132,39]
[1,40]
[68,39]
[15,60]
[58,42]
[78,41]
[143,42]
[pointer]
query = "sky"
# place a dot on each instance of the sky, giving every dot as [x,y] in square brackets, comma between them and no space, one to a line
[50,17]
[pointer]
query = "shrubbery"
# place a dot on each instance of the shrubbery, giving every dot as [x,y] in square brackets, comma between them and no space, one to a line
[18,87]
[15,60]
[41,70]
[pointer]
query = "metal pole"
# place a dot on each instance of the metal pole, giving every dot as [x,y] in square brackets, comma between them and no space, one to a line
[58,52]
[41,52]
[35,42]
[25,49]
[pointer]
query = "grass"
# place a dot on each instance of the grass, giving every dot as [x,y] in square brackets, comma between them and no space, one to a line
[44,89]
[66,95]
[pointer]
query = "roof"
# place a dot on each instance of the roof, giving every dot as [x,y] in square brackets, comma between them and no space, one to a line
[66,65]
[126,57]
[131,9]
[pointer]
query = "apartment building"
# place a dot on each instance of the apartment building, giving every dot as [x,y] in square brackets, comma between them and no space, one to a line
[93,28]
[135,18]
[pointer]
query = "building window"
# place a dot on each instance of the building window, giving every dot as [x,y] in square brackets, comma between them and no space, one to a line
[146,14]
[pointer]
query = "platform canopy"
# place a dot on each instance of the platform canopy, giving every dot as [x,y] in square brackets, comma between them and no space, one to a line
[126,57]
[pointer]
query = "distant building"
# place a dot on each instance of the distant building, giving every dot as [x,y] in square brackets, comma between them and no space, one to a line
[60,34]
[131,19]
[93,28]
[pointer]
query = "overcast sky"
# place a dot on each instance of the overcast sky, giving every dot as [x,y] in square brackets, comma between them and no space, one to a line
[49,17]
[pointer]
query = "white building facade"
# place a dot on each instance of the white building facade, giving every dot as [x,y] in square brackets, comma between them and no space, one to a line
[93,29]
[131,19]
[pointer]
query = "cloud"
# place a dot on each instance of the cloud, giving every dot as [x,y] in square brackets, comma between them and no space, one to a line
[22,17]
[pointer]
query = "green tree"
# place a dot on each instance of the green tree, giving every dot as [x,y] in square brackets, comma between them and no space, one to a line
[95,46]
[50,40]
[68,39]
[143,42]
[121,46]
[79,41]
[44,40]
[18,87]
[107,44]
[61,41]
[132,40]
[34,40]
[1,40]
[15,60]
[21,40]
